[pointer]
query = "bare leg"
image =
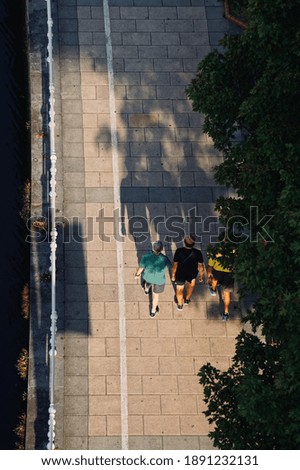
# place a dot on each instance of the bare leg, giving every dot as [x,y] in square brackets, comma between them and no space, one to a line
[179,294]
[146,288]
[190,288]
[154,302]
[214,283]
[226,299]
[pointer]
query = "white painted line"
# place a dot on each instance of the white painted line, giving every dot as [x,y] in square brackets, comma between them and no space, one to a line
[117,204]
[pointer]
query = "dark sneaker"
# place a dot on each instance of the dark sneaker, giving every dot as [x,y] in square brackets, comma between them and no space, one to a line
[225,316]
[213,292]
[146,292]
[152,314]
[187,301]
[179,307]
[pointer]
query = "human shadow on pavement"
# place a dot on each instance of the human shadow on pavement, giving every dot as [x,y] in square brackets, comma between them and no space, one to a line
[165,162]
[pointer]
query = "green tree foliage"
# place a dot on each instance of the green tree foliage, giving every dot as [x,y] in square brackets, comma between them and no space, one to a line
[253,88]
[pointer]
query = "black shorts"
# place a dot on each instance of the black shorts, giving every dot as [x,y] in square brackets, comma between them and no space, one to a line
[181,282]
[224,279]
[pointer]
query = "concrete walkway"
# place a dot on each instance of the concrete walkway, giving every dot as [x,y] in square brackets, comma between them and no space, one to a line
[128,145]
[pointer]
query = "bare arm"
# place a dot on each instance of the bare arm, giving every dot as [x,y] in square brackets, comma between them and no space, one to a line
[174,269]
[201,271]
[138,272]
[209,274]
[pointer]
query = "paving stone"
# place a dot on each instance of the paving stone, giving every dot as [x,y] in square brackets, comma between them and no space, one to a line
[222,347]
[191,13]
[104,328]
[94,107]
[214,12]
[184,179]
[133,347]
[150,25]
[157,347]
[142,366]
[168,65]
[111,276]
[88,25]
[124,25]
[183,443]
[215,38]
[141,92]
[134,13]
[138,65]
[194,425]
[134,194]
[96,347]
[165,38]
[90,78]
[159,385]
[176,2]
[145,442]
[143,120]
[147,2]
[206,443]
[99,194]
[157,106]
[152,52]
[161,425]
[165,13]
[142,328]
[100,39]
[172,26]
[104,442]
[70,39]
[109,405]
[128,78]
[75,195]
[97,426]
[74,180]
[207,328]
[68,11]
[134,385]
[76,426]
[76,405]
[192,346]
[135,425]
[173,328]
[144,405]
[104,366]
[175,366]
[171,92]
[189,385]
[129,106]
[221,363]
[179,405]
[127,51]
[218,25]
[146,179]
[76,331]
[72,107]
[96,385]
[84,12]
[76,443]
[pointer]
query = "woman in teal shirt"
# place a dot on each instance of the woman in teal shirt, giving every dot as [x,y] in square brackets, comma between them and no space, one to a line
[153,266]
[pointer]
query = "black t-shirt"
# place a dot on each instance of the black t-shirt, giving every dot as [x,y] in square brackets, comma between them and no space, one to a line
[187,259]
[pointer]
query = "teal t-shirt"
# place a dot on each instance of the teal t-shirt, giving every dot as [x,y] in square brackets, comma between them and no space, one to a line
[154,268]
